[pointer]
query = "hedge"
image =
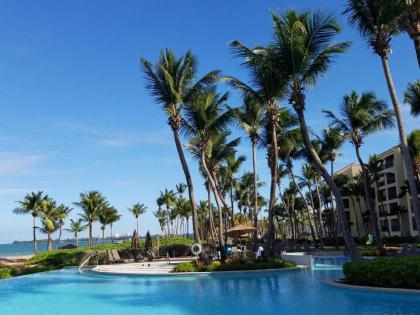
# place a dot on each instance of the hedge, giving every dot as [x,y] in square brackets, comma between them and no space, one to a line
[389,272]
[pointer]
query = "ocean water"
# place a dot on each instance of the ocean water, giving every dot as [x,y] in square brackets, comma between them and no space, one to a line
[26,248]
[68,292]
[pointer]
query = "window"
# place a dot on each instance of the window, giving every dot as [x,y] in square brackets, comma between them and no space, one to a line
[395,225]
[392,193]
[384,227]
[382,210]
[393,207]
[389,161]
[346,203]
[381,195]
[390,178]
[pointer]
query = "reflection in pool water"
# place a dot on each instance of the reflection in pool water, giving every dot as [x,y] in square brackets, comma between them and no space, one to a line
[284,292]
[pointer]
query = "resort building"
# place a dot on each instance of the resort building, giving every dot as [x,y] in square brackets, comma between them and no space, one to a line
[392,205]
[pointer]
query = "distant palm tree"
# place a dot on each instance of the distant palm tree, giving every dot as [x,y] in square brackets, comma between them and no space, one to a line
[160,214]
[171,83]
[49,216]
[168,197]
[250,117]
[62,216]
[91,203]
[32,204]
[76,227]
[108,216]
[304,49]
[378,21]
[233,165]
[361,116]
[412,97]
[137,210]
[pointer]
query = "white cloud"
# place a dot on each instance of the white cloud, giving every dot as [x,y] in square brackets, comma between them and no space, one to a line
[14,163]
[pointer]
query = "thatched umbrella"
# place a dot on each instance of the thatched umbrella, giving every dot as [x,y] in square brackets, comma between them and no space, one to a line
[239,230]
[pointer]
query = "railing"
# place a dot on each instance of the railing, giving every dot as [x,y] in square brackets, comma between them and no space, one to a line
[87,260]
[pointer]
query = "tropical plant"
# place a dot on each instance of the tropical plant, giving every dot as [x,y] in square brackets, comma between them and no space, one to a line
[410,22]
[304,49]
[233,165]
[137,210]
[414,147]
[170,81]
[62,216]
[32,204]
[412,97]
[91,203]
[168,197]
[361,116]
[107,216]
[76,227]
[378,21]
[49,216]
[160,214]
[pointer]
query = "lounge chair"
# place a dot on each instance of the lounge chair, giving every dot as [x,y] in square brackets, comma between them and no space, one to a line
[111,258]
[118,258]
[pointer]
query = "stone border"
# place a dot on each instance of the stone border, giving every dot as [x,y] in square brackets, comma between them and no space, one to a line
[339,284]
[197,273]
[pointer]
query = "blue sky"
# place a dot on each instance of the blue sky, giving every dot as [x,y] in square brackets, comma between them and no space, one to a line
[75,114]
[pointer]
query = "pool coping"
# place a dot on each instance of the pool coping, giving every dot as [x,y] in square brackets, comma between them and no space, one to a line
[340,284]
[197,273]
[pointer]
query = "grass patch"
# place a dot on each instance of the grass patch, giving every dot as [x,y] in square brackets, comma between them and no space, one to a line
[233,265]
[388,272]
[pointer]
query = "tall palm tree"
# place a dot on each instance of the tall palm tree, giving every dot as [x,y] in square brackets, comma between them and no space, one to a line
[49,216]
[304,49]
[267,87]
[205,119]
[168,198]
[410,22]
[250,117]
[76,227]
[137,210]
[414,147]
[377,22]
[160,214]
[360,116]
[170,81]
[412,97]
[32,204]
[91,203]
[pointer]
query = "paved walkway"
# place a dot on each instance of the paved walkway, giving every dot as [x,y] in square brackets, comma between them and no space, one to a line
[142,268]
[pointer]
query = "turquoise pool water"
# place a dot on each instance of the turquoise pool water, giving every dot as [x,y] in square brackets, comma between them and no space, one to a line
[285,292]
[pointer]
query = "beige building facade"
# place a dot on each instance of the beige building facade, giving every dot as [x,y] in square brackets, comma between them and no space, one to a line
[392,206]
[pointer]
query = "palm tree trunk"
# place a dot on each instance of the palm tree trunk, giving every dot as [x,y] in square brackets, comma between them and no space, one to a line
[334,212]
[355,216]
[138,233]
[211,218]
[77,239]
[90,234]
[403,143]
[272,203]
[351,246]
[231,204]
[321,222]
[189,184]
[59,236]
[254,168]
[369,203]
[49,247]
[34,234]
[112,234]
[216,196]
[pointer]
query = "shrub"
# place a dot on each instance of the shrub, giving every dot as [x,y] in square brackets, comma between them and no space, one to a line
[5,272]
[391,272]
[186,267]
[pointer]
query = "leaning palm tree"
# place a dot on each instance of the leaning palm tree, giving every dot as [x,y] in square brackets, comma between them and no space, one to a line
[62,216]
[91,203]
[412,97]
[171,83]
[304,49]
[76,227]
[137,210]
[267,88]
[205,120]
[32,204]
[250,117]
[361,116]
[377,22]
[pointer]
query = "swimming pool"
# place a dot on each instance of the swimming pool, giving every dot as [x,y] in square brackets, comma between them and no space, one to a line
[285,292]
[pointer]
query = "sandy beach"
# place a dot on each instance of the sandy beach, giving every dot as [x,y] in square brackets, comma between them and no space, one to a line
[15,260]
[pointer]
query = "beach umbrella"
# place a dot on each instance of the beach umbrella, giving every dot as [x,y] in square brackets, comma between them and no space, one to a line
[239,230]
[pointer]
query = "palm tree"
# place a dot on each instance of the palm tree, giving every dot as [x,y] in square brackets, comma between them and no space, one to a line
[168,198]
[414,147]
[204,121]
[332,140]
[410,22]
[32,204]
[62,216]
[267,88]
[107,216]
[76,227]
[412,97]
[304,51]
[137,210]
[170,82]
[377,22]
[49,216]
[160,214]
[250,117]
[233,165]
[91,203]
[360,117]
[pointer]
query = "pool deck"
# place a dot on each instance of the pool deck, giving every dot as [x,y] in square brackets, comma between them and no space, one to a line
[340,284]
